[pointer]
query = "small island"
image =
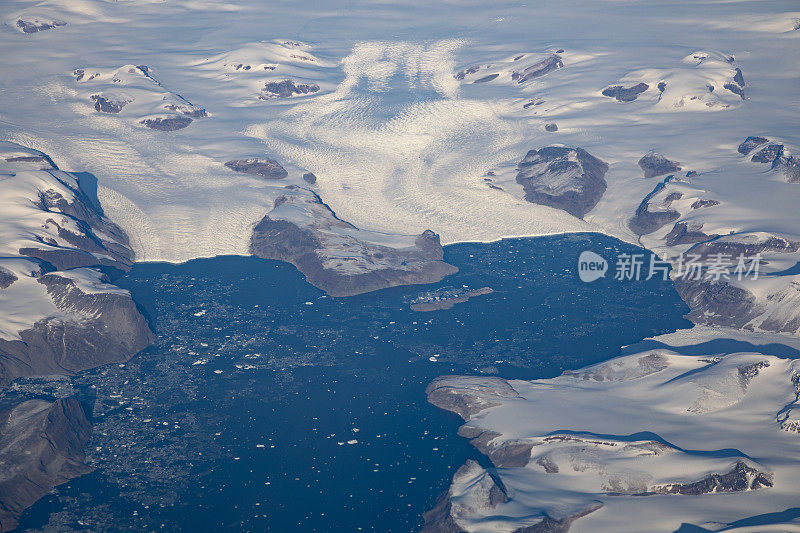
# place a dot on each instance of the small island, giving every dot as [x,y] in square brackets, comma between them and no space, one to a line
[446,298]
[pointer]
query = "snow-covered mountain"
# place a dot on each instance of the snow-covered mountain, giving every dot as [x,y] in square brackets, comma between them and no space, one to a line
[58,311]
[634,438]
[426,130]
[347,138]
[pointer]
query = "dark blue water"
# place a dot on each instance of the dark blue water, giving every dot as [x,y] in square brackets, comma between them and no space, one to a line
[266,405]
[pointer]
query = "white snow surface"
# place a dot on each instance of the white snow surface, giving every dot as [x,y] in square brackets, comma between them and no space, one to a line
[588,425]
[23,223]
[397,143]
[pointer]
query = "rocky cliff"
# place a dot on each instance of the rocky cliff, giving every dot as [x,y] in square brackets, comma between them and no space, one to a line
[339,258]
[41,446]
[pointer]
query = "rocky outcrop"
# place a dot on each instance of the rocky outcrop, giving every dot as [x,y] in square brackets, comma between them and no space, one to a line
[166,123]
[98,324]
[286,89]
[37,25]
[513,70]
[700,203]
[751,143]
[108,105]
[768,154]
[741,477]
[625,94]
[654,164]
[6,278]
[186,109]
[738,301]
[652,215]
[765,151]
[41,446]
[565,178]
[686,233]
[266,168]
[717,303]
[484,79]
[538,69]
[789,167]
[746,244]
[336,256]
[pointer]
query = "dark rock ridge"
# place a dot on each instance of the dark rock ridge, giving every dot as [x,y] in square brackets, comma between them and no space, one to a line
[309,178]
[739,77]
[188,110]
[740,478]
[33,26]
[42,161]
[334,257]
[625,94]
[654,164]
[107,105]
[41,446]
[768,154]
[737,85]
[735,89]
[551,525]
[699,203]
[751,143]
[266,168]
[105,327]
[747,245]
[490,77]
[773,153]
[286,89]
[464,73]
[551,127]
[717,303]
[686,233]
[6,278]
[507,454]
[80,74]
[647,221]
[789,167]
[539,69]
[566,178]
[723,303]
[166,124]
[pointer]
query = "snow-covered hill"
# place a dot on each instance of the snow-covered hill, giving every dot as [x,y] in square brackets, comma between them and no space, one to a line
[213,126]
[627,440]
[58,311]
[419,122]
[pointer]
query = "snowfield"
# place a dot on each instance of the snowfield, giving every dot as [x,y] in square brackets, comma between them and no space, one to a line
[395,140]
[394,119]
[628,440]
